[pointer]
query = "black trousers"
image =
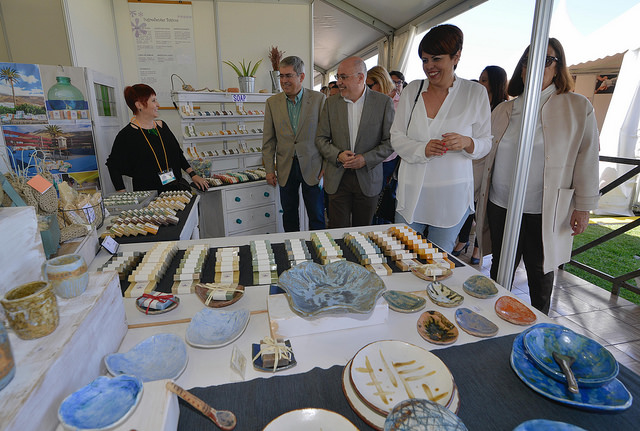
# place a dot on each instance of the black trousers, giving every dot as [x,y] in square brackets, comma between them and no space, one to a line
[529,249]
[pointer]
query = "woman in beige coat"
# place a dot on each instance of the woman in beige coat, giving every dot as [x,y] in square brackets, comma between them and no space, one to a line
[563,179]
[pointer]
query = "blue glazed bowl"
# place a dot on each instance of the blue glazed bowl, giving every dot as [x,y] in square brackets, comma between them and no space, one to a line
[211,328]
[594,365]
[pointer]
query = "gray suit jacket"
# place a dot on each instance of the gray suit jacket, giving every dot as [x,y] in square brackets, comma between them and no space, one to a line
[280,144]
[372,140]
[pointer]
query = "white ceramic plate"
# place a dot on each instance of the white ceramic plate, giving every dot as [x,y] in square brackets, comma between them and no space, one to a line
[310,420]
[384,373]
[211,327]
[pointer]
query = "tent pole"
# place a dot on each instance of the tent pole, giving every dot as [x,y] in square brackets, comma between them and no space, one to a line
[532,89]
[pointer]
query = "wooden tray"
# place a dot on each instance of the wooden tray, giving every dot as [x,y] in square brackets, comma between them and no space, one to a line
[203,293]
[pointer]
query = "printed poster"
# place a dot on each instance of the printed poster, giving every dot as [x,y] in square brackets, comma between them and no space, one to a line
[21,94]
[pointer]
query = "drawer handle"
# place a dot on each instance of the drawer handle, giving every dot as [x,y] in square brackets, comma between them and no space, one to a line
[266,194]
[239,221]
[238,199]
[281,211]
[267,215]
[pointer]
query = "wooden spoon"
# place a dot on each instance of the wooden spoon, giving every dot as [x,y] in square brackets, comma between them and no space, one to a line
[224,419]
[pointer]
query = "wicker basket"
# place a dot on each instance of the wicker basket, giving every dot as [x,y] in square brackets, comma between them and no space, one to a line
[89,214]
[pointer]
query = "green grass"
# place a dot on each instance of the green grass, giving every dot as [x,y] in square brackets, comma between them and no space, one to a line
[615,257]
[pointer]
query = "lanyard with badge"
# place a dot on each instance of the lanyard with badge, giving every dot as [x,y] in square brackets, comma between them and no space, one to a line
[166,176]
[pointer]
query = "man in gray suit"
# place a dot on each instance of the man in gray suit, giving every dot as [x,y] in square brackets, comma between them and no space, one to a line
[290,123]
[353,138]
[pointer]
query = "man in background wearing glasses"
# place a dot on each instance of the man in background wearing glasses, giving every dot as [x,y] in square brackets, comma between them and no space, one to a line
[353,137]
[289,154]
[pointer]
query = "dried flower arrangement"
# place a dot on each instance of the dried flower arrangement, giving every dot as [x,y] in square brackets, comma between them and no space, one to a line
[275,55]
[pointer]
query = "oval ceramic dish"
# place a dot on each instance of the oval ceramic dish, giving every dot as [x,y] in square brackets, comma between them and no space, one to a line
[546,425]
[612,396]
[480,287]
[594,365]
[513,311]
[475,324]
[103,404]
[310,419]
[342,286]
[203,293]
[211,328]
[404,302]
[418,414]
[387,372]
[161,356]
[416,270]
[437,329]
[443,296]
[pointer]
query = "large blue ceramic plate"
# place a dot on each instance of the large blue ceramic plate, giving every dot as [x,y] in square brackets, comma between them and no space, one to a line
[612,396]
[336,287]
[162,356]
[546,425]
[210,327]
[103,404]
[594,365]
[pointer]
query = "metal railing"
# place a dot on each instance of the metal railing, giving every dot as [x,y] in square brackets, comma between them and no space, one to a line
[622,280]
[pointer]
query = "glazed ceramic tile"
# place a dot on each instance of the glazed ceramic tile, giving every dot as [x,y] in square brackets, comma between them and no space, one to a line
[475,324]
[404,302]
[513,311]
[443,296]
[210,328]
[434,327]
[417,414]
[480,286]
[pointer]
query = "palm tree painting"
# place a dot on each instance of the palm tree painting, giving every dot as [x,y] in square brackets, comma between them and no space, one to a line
[54,131]
[10,75]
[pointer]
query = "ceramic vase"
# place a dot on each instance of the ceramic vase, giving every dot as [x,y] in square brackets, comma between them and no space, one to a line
[67,275]
[31,309]
[7,365]
[247,84]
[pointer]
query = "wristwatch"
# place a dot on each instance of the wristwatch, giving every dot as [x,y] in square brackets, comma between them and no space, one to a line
[192,174]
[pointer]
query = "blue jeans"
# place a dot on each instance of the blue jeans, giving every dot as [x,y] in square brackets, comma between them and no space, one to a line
[290,201]
[443,237]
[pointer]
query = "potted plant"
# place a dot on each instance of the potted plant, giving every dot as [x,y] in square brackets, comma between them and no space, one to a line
[275,56]
[246,74]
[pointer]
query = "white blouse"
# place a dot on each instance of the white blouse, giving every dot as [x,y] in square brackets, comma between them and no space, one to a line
[438,190]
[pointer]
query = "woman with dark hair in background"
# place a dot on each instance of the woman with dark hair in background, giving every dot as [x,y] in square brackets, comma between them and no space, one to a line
[562,184]
[146,150]
[441,124]
[494,79]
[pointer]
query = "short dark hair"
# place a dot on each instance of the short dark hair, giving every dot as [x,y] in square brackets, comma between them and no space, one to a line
[137,93]
[442,39]
[295,62]
[333,84]
[562,79]
[497,85]
[398,75]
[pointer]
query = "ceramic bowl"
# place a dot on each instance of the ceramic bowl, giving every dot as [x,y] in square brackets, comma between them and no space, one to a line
[101,405]
[594,365]
[310,418]
[210,327]
[420,414]
[480,287]
[162,356]
[404,302]
[342,286]
[546,425]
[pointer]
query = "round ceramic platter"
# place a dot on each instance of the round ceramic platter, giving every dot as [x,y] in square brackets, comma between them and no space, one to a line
[342,286]
[475,324]
[174,304]
[436,329]
[211,328]
[404,302]
[161,356]
[387,372]
[203,293]
[418,414]
[513,311]
[612,396]
[480,287]
[416,271]
[443,296]
[103,404]
[311,420]
[372,417]
[546,425]
[594,365]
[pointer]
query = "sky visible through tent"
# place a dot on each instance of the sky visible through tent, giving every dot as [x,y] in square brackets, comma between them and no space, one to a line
[498,31]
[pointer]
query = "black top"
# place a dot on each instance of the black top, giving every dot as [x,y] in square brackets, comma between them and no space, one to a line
[132,156]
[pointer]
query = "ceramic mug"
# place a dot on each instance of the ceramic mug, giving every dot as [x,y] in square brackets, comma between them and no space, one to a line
[31,309]
[67,274]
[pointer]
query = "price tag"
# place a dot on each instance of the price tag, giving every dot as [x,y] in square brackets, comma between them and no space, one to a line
[89,212]
[110,244]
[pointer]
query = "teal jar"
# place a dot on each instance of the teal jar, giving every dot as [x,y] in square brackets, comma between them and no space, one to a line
[64,96]
[7,364]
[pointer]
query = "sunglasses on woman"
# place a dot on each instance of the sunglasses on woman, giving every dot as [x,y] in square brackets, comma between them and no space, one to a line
[548,61]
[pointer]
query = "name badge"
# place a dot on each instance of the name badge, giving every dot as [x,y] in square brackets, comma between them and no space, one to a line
[167,176]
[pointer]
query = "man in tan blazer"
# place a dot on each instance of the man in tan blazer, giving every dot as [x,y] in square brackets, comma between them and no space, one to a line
[353,137]
[290,123]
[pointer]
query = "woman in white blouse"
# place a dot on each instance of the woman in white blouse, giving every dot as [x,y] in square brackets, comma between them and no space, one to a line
[441,125]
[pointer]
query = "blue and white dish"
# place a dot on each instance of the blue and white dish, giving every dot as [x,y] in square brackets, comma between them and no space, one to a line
[101,405]
[161,356]
[211,328]
[475,324]
[404,302]
[612,396]
[419,414]
[341,286]
[594,365]
[546,425]
[480,286]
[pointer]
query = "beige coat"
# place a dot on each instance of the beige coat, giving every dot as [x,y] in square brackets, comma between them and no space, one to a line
[570,180]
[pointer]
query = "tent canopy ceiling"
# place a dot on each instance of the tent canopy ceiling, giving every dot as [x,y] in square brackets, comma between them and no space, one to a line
[608,64]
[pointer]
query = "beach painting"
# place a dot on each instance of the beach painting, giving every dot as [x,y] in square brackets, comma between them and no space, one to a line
[21,94]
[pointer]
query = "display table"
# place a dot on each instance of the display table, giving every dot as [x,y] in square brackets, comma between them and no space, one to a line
[210,367]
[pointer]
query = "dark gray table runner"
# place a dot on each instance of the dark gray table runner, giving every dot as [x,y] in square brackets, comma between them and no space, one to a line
[492,396]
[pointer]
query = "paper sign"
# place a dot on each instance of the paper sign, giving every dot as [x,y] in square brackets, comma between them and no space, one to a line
[39,183]
[110,244]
